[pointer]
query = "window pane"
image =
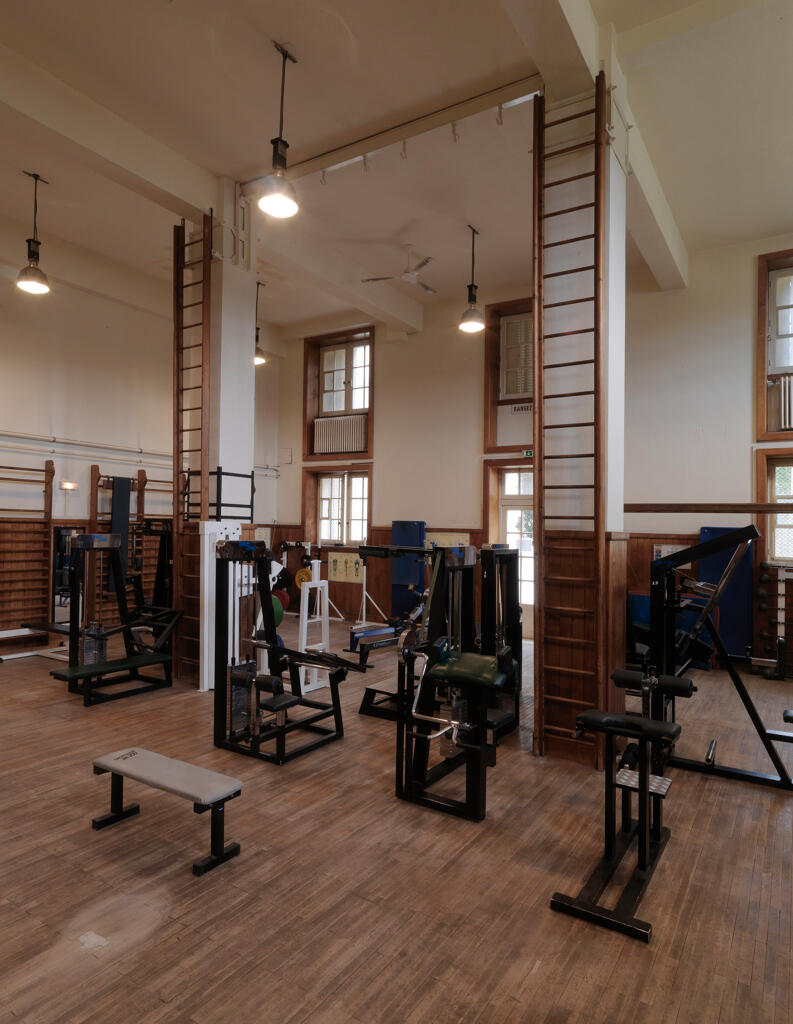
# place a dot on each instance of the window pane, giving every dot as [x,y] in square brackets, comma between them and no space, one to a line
[526,483]
[783,543]
[782,352]
[327,402]
[359,377]
[327,359]
[340,357]
[356,486]
[338,401]
[324,486]
[784,290]
[511,483]
[783,481]
[784,319]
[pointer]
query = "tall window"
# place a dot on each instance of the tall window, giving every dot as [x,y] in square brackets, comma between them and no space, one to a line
[780,488]
[775,346]
[517,525]
[345,378]
[515,362]
[343,511]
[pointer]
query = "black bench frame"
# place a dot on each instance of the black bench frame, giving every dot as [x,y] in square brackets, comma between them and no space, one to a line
[652,837]
[219,850]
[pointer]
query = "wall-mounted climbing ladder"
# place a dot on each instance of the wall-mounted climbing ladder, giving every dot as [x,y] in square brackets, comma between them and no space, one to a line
[570,611]
[192,272]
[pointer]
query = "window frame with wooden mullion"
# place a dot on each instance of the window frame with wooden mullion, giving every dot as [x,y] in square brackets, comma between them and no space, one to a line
[313,498]
[767,460]
[497,316]
[315,379]
[770,267]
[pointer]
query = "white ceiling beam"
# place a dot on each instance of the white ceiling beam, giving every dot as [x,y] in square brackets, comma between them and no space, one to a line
[289,246]
[101,139]
[562,38]
[651,222]
[301,165]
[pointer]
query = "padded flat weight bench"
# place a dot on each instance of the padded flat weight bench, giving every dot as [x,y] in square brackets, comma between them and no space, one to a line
[208,790]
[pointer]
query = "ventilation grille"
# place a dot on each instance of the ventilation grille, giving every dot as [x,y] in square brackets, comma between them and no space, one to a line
[516,357]
[339,434]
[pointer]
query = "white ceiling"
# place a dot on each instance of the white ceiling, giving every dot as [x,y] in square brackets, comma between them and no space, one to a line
[203,76]
[715,106]
[427,199]
[712,95]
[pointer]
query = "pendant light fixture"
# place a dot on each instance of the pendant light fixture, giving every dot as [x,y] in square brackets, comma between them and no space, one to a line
[259,358]
[278,198]
[31,278]
[472,320]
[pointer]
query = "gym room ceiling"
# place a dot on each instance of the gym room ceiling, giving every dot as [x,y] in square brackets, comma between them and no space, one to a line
[203,79]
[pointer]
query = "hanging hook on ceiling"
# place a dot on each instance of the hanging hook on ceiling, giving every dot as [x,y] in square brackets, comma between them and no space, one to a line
[365,164]
[404,153]
[322,179]
[500,114]
[455,136]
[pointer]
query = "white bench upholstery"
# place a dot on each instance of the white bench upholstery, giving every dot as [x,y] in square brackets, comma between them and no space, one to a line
[208,791]
[178,777]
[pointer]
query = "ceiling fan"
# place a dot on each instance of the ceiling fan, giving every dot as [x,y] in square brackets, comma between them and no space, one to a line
[409,275]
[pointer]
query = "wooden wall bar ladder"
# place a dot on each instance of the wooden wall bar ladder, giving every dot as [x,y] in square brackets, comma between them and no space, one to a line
[570,566]
[192,281]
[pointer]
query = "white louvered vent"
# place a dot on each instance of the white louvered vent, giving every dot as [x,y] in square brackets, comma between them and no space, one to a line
[517,377]
[339,434]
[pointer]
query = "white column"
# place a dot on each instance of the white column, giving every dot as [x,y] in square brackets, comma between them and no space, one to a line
[232,387]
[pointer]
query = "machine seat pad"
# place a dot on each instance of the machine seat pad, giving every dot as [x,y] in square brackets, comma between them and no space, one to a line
[627,725]
[787,716]
[278,701]
[200,785]
[477,669]
[106,668]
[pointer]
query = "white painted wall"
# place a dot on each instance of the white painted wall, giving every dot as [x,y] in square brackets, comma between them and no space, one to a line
[89,363]
[690,386]
[428,431]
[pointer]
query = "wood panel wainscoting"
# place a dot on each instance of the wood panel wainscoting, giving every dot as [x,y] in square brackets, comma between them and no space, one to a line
[26,550]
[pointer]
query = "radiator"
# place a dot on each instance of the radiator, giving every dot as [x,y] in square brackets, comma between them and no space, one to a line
[786,401]
[337,434]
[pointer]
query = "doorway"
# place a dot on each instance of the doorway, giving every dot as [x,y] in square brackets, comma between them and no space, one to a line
[516,528]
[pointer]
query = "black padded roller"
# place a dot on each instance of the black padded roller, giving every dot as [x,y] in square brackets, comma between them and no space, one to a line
[673,686]
[627,725]
[627,679]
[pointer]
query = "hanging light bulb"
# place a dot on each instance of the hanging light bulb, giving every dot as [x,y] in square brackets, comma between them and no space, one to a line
[472,319]
[278,198]
[31,278]
[259,358]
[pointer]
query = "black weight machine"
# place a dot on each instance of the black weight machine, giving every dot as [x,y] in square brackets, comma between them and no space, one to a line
[146,629]
[464,695]
[671,648]
[640,771]
[253,711]
[448,610]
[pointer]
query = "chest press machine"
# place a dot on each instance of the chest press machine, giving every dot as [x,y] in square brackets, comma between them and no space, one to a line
[254,714]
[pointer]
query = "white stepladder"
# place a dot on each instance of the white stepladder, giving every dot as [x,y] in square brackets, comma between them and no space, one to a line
[314,678]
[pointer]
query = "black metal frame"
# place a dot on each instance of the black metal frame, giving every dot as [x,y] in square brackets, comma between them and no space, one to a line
[219,506]
[279,658]
[413,775]
[651,837]
[669,656]
[450,610]
[219,850]
[89,681]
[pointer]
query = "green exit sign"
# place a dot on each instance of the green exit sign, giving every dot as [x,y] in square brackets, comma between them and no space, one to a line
[528,453]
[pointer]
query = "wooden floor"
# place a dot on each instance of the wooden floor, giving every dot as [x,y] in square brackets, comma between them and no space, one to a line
[348,905]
